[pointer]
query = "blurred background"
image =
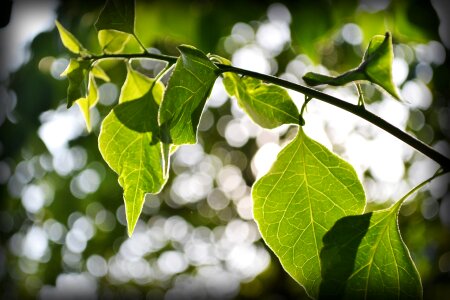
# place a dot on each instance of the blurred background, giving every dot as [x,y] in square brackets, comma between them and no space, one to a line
[62,221]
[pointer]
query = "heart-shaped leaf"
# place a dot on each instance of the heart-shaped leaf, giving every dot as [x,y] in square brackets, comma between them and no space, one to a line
[305,192]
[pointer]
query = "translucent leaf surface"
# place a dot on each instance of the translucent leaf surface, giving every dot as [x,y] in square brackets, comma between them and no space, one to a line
[129,143]
[364,257]
[113,41]
[68,40]
[117,15]
[87,102]
[187,90]
[268,105]
[135,86]
[305,192]
[77,73]
[98,72]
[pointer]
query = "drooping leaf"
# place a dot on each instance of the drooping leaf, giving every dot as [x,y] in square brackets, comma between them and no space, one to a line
[129,143]
[376,67]
[69,41]
[86,103]
[305,192]
[98,72]
[268,105]
[378,60]
[135,86]
[77,73]
[113,41]
[187,90]
[364,257]
[117,15]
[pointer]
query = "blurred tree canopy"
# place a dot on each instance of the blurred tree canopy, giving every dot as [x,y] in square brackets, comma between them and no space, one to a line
[62,223]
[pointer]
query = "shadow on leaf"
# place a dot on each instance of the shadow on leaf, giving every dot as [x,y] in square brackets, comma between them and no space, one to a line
[140,115]
[338,254]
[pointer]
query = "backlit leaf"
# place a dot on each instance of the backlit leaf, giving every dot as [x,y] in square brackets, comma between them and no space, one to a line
[137,85]
[364,257]
[305,192]
[129,143]
[77,73]
[69,41]
[98,72]
[113,41]
[268,105]
[86,103]
[378,63]
[117,15]
[187,90]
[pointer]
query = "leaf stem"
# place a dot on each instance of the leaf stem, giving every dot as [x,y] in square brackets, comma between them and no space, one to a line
[361,95]
[438,173]
[140,43]
[357,110]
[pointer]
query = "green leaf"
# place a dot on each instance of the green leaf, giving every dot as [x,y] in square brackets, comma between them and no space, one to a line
[135,86]
[376,67]
[117,15]
[69,41]
[364,257]
[187,90]
[129,143]
[305,192]
[91,100]
[77,73]
[100,73]
[113,41]
[377,63]
[268,105]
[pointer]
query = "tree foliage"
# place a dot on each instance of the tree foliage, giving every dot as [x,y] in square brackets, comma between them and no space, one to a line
[310,205]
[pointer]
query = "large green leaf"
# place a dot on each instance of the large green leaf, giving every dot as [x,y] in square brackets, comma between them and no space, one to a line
[89,101]
[364,257]
[187,90]
[77,73]
[129,143]
[69,41]
[305,192]
[117,15]
[375,67]
[268,105]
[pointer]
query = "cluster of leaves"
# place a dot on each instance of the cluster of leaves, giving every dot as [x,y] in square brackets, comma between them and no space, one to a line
[310,205]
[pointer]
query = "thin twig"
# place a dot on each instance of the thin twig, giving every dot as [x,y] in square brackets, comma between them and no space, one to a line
[357,110]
